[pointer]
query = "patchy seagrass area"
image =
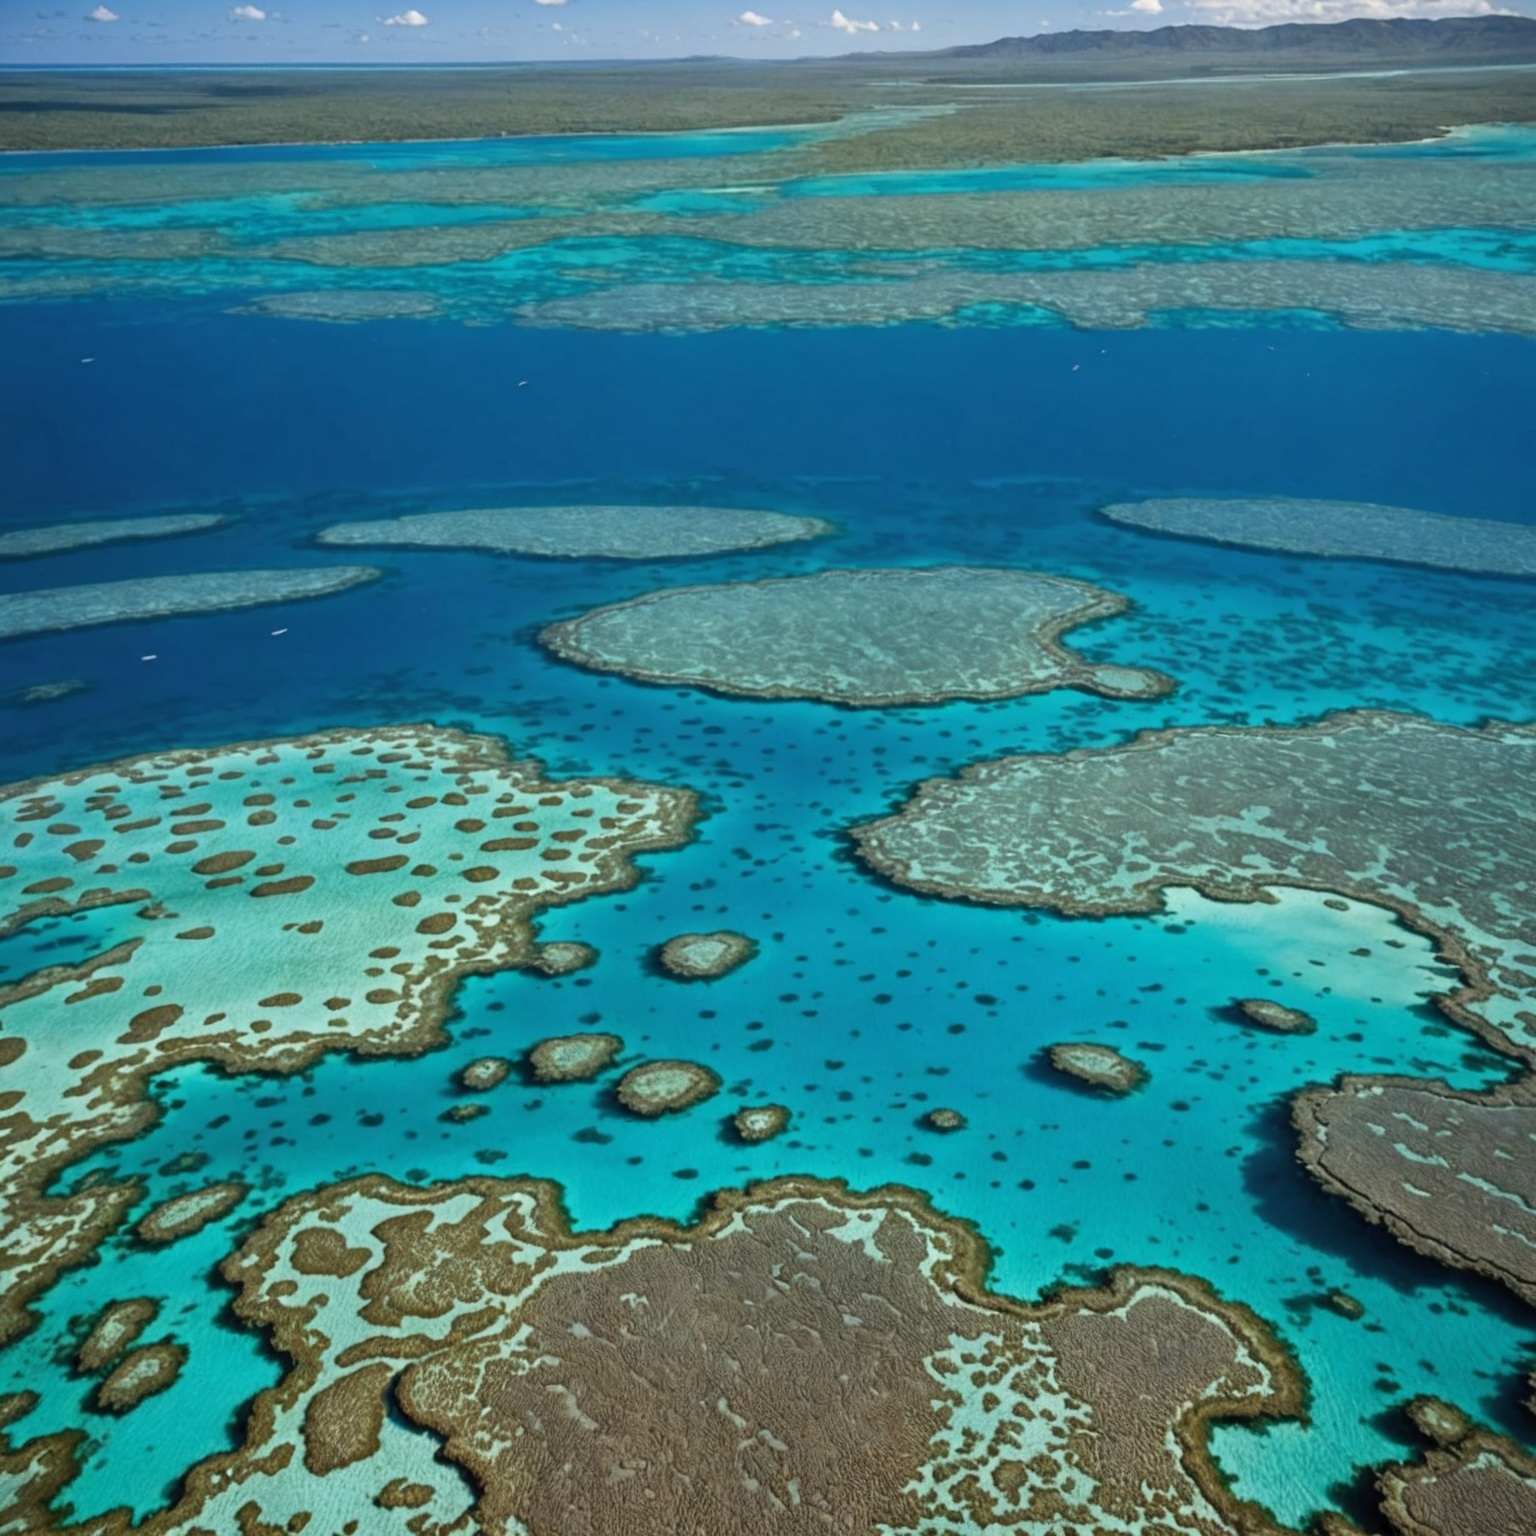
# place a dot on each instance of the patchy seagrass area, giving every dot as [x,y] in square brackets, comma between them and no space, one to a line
[862,638]
[278,900]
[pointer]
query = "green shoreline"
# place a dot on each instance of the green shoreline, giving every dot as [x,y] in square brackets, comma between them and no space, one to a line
[280,108]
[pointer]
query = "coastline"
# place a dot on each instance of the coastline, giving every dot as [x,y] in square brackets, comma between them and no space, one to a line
[1446,131]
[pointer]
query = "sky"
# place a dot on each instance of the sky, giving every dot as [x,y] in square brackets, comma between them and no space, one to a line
[444,31]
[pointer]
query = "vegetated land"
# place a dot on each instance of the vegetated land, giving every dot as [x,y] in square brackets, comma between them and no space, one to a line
[1170,91]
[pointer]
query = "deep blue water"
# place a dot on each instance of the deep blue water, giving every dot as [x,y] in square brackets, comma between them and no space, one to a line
[163,413]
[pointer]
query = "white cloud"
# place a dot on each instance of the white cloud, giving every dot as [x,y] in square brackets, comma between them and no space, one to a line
[849,25]
[753,19]
[405,19]
[246,13]
[549,2]
[101,13]
[1150,7]
[1264,13]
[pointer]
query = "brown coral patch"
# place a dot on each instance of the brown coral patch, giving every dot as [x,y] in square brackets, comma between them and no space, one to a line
[182,1215]
[573,1058]
[116,1326]
[1451,1174]
[142,1374]
[343,1421]
[665,1087]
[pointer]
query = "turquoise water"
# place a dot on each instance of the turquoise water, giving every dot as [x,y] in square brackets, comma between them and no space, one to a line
[867,1006]
[489,230]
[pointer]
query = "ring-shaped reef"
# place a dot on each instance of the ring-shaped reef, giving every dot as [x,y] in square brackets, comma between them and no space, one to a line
[803,1357]
[59,538]
[164,597]
[1340,530]
[862,638]
[705,956]
[272,901]
[605,532]
[573,1058]
[665,1087]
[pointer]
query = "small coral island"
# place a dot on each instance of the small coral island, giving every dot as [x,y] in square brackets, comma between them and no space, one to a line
[116,1326]
[1099,1066]
[573,1058]
[139,1375]
[861,638]
[182,1215]
[704,956]
[664,1087]
[484,1073]
[562,957]
[760,1122]
[1275,1017]
[945,1120]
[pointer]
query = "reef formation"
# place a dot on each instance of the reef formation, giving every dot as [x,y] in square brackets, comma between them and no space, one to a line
[1099,1066]
[142,1374]
[665,1087]
[1108,298]
[1470,1483]
[573,1058]
[585,532]
[182,1215]
[484,1073]
[163,597]
[1275,1017]
[115,1327]
[1451,1174]
[704,956]
[45,693]
[57,538]
[562,957]
[1367,805]
[804,1357]
[1343,530]
[862,638]
[269,902]
[760,1122]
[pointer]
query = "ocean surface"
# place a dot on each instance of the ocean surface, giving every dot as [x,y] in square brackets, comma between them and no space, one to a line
[140,380]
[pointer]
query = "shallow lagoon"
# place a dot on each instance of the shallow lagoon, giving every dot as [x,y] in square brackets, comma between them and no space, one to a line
[866,1006]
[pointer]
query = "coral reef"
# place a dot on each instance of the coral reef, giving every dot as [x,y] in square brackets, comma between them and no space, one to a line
[864,638]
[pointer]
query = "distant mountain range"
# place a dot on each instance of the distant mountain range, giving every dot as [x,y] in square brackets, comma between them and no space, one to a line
[1481,36]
